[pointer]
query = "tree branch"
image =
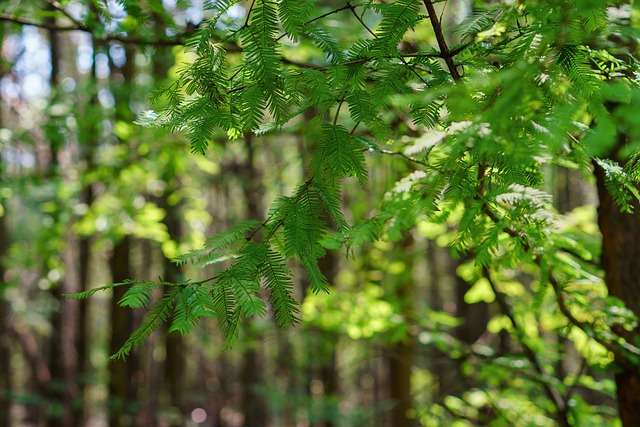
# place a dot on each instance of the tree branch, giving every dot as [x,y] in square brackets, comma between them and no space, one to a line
[175,41]
[616,348]
[370,31]
[442,43]
[550,391]
[57,6]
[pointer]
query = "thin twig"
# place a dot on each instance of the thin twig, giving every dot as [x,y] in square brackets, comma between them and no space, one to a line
[176,41]
[617,349]
[550,391]
[574,385]
[246,21]
[56,5]
[411,159]
[359,18]
[324,15]
[442,43]
[335,117]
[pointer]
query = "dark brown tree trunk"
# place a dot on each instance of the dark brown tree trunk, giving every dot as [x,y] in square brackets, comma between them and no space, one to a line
[175,348]
[123,376]
[122,382]
[63,389]
[175,360]
[620,256]
[400,363]
[254,406]
[328,341]
[64,366]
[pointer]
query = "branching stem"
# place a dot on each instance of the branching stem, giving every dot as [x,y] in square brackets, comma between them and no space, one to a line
[618,349]
[551,392]
[442,43]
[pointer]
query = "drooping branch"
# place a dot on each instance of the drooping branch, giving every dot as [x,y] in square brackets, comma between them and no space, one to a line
[618,349]
[551,392]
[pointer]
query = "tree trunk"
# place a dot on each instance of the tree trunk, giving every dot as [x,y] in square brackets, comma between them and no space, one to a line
[88,139]
[620,255]
[124,381]
[403,352]
[400,364]
[122,386]
[175,353]
[175,360]
[328,341]
[5,328]
[254,406]
[63,389]
[5,309]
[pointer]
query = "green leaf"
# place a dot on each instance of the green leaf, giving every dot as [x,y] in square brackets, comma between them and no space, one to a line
[339,153]
[155,317]
[138,295]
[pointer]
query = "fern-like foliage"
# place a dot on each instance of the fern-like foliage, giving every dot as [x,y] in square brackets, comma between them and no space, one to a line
[221,246]
[155,317]
[339,153]
[294,15]
[622,187]
[475,124]
[192,303]
[397,18]
[277,279]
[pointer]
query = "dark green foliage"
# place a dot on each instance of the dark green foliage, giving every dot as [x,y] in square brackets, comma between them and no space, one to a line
[278,281]
[397,18]
[339,154]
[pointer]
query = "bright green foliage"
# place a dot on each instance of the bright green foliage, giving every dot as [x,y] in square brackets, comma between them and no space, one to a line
[222,246]
[155,317]
[477,123]
[620,183]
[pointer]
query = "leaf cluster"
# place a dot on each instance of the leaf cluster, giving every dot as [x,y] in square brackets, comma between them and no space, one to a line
[475,148]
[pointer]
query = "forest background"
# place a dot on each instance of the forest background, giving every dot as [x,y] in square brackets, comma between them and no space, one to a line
[440,197]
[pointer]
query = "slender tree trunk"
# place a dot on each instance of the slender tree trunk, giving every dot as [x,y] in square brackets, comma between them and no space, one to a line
[254,406]
[63,389]
[5,328]
[53,389]
[175,360]
[327,343]
[88,138]
[122,388]
[123,376]
[5,309]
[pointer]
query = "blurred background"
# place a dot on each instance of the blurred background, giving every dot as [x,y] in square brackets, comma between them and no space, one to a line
[408,335]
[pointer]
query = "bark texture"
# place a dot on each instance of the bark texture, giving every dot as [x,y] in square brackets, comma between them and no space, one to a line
[620,257]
